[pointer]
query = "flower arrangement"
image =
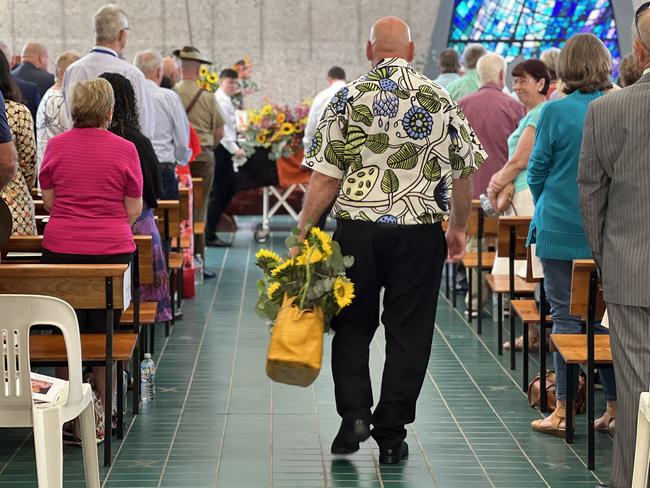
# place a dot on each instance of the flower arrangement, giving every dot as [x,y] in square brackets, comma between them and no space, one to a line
[314,278]
[208,79]
[278,128]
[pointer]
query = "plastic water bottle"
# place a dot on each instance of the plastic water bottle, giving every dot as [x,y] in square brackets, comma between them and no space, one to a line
[198,270]
[147,378]
[487,205]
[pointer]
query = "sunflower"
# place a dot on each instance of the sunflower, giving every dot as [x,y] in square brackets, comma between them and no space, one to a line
[267,109]
[298,128]
[323,239]
[266,255]
[312,253]
[282,267]
[212,78]
[260,138]
[343,292]
[286,129]
[281,118]
[272,289]
[204,71]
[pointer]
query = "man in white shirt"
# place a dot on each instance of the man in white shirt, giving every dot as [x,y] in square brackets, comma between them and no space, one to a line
[225,154]
[111,26]
[335,81]
[171,137]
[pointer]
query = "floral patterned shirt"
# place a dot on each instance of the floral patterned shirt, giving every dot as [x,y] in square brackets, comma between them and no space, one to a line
[396,140]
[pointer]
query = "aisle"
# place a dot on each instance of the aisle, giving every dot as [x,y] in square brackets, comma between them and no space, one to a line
[217,420]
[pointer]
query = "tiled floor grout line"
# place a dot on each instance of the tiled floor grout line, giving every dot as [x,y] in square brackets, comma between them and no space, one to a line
[196,362]
[377,466]
[460,428]
[135,417]
[318,433]
[234,361]
[20,446]
[489,403]
[486,347]
[415,434]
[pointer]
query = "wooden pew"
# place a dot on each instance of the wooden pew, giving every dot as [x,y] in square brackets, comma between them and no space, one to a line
[199,195]
[83,287]
[479,226]
[169,224]
[513,234]
[588,349]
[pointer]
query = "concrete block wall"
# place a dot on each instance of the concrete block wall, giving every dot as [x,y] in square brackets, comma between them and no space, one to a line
[291,42]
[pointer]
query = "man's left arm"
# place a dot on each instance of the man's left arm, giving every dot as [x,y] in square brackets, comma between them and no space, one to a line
[181,131]
[593,184]
[320,194]
[145,107]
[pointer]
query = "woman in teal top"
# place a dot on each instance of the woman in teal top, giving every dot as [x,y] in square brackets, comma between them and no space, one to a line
[584,67]
[531,81]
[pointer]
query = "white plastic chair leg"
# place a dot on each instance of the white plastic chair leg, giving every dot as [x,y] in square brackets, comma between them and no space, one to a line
[642,454]
[89,446]
[48,444]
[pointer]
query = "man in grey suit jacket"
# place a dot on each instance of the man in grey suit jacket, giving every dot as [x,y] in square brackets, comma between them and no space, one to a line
[614,180]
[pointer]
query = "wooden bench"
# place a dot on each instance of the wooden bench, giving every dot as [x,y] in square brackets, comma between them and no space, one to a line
[513,234]
[479,226]
[198,195]
[169,224]
[589,350]
[85,286]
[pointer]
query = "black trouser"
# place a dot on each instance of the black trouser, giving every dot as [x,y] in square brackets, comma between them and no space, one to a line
[169,181]
[407,262]
[89,320]
[222,191]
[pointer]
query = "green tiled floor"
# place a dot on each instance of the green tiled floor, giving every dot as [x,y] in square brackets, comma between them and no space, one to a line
[218,421]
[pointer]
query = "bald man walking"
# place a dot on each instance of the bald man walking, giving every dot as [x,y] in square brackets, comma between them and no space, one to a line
[386,150]
[33,67]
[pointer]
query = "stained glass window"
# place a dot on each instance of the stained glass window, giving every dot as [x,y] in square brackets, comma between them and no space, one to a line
[527,27]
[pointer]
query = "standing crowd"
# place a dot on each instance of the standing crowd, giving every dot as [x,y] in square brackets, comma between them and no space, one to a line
[105,140]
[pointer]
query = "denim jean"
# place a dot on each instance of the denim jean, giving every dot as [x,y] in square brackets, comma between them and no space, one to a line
[557,284]
[169,182]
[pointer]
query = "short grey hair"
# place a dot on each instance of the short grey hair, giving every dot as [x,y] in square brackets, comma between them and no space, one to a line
[489,68]
[147,61]
[110,20]
[62,62]
[550,58]
[472,54]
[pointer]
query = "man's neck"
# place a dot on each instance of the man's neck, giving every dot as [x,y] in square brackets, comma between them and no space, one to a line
[30,61]
[379,57]
[115,46]
[154,79]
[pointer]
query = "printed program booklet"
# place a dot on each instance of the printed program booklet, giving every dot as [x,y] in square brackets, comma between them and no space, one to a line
[46,389]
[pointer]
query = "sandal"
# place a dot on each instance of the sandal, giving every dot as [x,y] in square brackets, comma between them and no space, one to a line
[606,423]
[519,344]
[558,415]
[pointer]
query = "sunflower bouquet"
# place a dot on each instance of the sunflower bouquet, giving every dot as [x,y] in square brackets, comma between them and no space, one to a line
[208,79]
[300,295]
[275,127]
[314,278]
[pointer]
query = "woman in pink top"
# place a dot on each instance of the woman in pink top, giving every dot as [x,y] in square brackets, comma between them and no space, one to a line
[92,187]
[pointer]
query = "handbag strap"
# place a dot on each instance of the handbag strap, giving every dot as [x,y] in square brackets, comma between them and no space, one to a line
[194,100]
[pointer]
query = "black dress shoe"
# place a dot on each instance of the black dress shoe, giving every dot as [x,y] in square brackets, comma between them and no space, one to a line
[394,455]
[349,436]
[217,242]
[209,274]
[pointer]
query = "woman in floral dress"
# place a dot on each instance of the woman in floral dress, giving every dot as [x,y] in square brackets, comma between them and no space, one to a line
[16,194]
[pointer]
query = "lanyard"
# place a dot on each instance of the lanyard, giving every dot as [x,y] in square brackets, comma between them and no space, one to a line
[103,51]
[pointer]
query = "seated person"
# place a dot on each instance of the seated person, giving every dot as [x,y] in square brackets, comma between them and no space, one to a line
[125,124]
[92,188]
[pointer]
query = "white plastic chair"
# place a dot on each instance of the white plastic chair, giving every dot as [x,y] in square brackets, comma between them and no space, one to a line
[19,313]
[642,455]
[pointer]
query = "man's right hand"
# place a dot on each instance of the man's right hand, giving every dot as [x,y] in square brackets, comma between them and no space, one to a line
[240,154]
[456,242]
